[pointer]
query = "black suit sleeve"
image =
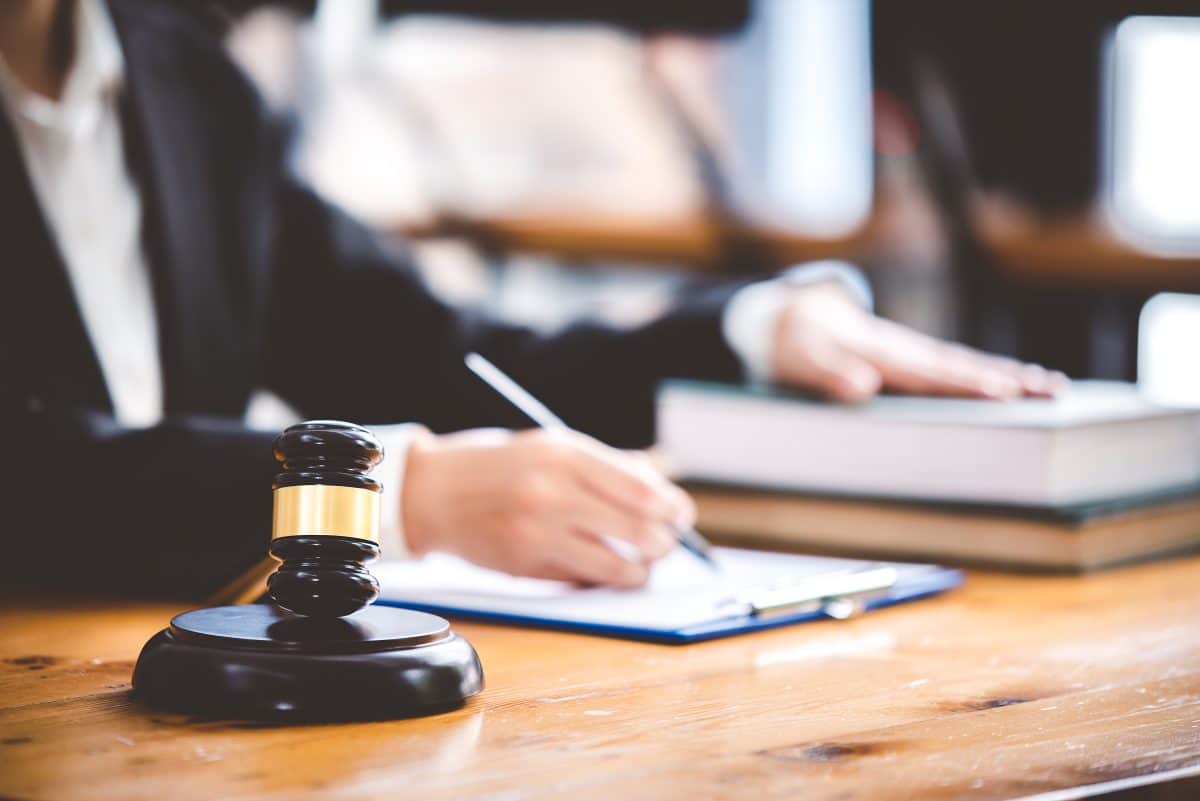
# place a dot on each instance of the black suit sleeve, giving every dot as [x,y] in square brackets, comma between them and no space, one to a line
[173,510]
[184,506]
[354,333]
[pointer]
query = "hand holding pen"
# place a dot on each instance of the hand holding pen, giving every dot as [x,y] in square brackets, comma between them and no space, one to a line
[543,503]
[538,412]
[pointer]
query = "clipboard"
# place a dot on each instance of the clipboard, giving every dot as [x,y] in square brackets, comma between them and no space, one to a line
[683,602]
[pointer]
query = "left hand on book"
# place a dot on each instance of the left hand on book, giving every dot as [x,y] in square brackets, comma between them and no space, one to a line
[827,343]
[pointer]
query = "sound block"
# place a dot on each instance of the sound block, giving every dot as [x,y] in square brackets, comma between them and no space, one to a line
[259,662]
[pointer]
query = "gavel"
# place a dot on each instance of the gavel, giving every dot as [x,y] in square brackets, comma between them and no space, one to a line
[326,520]
[325,525]
[321,651]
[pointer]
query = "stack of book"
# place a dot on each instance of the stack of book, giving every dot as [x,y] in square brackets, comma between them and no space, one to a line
[1098,477]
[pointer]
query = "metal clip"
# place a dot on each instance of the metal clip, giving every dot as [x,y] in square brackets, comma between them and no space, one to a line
[839,595]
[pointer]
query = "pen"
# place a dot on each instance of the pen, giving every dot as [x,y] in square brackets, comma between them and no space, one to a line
[535,410]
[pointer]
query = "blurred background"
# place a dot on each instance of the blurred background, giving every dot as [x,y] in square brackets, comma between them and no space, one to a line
[1021,176]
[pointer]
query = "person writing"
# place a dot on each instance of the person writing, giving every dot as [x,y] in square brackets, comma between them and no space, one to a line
[162,264]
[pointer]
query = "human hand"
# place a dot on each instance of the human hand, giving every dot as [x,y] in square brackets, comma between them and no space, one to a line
[827,343]
[540,503]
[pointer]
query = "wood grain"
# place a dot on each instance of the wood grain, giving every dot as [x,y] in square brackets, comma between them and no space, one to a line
[698,241]
[1007,688]
[1069,252]
[1079,252]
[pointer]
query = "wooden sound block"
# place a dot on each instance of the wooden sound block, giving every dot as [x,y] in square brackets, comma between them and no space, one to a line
[259,662]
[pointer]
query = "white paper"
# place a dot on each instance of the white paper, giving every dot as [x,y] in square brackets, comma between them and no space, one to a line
[682,591]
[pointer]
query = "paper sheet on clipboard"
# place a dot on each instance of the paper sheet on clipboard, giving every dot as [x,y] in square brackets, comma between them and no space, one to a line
[682,592]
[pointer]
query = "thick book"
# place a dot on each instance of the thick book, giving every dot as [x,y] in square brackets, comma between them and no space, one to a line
[1074,538]
[1100,440]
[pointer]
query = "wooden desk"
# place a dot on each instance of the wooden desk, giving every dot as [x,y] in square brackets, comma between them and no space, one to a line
[1006,688]
[1073,253]
[1079,253]
[695,242]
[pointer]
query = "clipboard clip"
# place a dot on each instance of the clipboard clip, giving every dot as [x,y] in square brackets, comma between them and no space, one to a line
[839,595]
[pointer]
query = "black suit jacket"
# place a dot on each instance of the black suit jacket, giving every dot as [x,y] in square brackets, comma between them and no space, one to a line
[258,282]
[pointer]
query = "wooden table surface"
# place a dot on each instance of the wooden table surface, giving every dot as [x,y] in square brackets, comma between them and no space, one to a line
[1070,252]
[696,242]
[1009,687]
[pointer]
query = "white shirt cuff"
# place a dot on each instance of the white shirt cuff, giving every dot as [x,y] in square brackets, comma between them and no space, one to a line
[749,319]
[396,441]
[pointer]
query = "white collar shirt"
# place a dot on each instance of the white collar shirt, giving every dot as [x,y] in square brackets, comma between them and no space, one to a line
[74,154]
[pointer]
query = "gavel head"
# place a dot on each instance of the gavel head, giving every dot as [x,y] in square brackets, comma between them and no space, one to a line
[326,518]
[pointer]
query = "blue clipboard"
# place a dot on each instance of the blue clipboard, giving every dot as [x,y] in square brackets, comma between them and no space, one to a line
[828,588]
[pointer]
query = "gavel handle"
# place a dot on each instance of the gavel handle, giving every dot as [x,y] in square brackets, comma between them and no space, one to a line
[247,587]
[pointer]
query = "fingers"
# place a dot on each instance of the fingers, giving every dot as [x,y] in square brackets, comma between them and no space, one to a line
[577,488]
[594,562]
[584,510]
[543,504]
[849,355]
[582,558]
[1043,383]
[824,366]
[630,483]
[1035,380]
[914,363]
[911,362]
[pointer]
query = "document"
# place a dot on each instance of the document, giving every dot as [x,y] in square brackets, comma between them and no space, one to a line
[682,593]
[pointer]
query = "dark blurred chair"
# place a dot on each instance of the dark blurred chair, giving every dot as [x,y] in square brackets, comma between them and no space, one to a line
[1009,99]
